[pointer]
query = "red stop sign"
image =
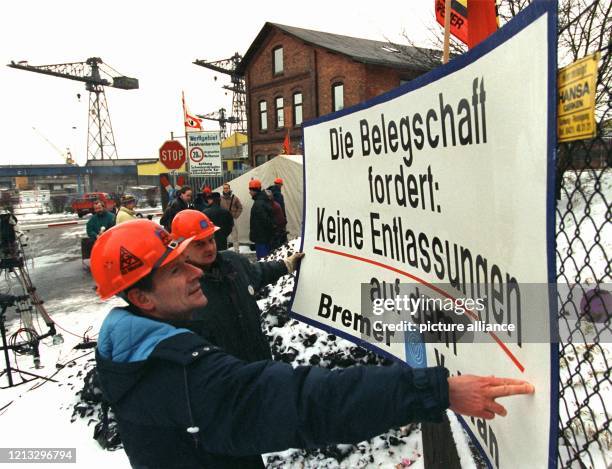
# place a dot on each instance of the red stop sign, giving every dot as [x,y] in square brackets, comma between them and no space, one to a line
[172,154]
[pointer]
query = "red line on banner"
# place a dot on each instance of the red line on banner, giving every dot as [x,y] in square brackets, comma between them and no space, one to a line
[429,285]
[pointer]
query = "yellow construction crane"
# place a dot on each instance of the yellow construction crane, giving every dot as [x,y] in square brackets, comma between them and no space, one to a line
[66,156]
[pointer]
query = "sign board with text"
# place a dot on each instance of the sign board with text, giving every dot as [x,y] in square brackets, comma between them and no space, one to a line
[204,150]
[432,208]
[577,85]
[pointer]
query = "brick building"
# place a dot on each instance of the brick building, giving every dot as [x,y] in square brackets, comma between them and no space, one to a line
[294,75]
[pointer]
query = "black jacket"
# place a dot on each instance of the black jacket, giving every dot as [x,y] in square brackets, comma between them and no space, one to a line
[224,220]
[278,197]
[182,403]
[262,220]
[232,319]
[199,202]
[171,210]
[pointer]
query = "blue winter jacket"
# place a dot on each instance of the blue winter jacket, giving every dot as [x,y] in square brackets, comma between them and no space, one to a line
[182,403]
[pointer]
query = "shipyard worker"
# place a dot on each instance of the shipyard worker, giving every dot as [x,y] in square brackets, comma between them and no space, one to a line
[127,210]
[182,201]
[262,220]
[231,202]
[276,189]
[280,223]
[100,221]
[182,402]
[200,201]
[221,218]
[231,319]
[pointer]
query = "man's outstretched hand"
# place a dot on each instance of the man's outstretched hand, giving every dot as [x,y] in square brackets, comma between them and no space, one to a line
[475,395]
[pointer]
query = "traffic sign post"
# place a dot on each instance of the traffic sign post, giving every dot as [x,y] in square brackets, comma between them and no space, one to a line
[172,154]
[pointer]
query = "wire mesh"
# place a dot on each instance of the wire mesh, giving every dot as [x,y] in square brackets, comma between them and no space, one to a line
[584,238]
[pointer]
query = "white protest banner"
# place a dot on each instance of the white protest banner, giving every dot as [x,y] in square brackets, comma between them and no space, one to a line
[204,153]
[444,188]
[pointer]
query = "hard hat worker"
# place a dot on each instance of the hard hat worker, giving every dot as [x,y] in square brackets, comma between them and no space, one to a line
[262,220]
[182,402]
[231,319]
[278,195]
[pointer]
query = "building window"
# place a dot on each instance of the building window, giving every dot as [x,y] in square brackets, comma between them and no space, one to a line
[277,59]
[280,112]
[260,159]
[337,96]
[297,109]
[263,116]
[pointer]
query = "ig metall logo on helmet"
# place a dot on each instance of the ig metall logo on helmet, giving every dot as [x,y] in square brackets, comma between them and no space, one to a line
[128,261]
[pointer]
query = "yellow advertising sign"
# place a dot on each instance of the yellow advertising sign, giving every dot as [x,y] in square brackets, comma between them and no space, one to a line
[576,110]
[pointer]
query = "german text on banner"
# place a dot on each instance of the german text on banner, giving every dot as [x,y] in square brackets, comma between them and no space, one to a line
[429,227]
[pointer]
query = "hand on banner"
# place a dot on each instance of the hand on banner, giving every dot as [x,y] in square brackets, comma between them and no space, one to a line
[292,261]
[475,395]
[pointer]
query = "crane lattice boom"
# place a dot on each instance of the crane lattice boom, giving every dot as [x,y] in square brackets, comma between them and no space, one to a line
[96,75]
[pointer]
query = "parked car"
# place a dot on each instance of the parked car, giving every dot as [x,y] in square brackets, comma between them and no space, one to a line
[83,204]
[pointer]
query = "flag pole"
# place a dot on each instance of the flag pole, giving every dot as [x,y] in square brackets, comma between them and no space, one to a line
[447,19]
[185,127]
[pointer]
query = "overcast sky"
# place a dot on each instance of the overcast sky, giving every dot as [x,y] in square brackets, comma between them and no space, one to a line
[155,42]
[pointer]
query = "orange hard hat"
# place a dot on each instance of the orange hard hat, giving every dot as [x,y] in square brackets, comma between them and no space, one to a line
[188,223]
[278,181]
[255,184]
[128,252]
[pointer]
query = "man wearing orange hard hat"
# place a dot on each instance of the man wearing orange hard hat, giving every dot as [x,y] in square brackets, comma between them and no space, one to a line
[276,190]
[181,402]
[262,225]
[232,318]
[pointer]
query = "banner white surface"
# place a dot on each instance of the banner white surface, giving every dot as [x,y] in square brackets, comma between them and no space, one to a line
[444,185]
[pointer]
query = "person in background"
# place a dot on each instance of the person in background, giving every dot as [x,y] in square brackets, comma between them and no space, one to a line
[201,200]
[231,202]
[278,195]
[182,201]
[100,221]
[280,223]
[231,319]
[221,218]
[182,402]
[262,220]
[127,210]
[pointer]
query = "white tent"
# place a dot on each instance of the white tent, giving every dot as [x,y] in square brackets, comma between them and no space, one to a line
[287,167]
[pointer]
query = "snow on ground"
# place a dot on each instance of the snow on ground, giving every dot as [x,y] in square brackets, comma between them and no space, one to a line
[56,414]
[584,246]
[47,414]
[40,413]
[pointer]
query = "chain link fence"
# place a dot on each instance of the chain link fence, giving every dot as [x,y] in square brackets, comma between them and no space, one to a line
[583,250]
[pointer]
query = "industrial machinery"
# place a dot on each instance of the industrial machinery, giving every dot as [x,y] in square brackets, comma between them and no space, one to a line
[27,304]
[237,119]
[96,75]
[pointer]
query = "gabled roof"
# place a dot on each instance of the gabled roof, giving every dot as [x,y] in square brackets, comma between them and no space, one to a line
[362,50]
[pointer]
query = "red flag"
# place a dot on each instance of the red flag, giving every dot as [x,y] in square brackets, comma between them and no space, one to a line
[482,17]
[191,122]
[287,145]
[472,21]
[459,17]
